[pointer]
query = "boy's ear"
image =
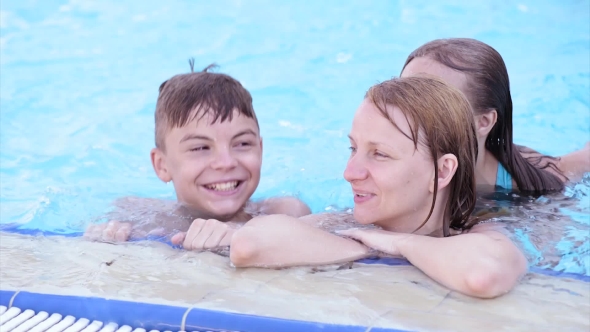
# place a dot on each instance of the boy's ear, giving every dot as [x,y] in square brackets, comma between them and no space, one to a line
[447,166]
[159,163]
[485,122]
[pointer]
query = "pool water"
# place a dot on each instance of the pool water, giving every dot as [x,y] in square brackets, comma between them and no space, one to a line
[79,82]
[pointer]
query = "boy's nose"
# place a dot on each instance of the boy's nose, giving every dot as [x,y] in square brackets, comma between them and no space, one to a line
[224,160]
[355,170]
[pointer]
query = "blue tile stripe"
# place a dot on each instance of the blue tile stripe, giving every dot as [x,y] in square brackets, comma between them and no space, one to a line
[164,317]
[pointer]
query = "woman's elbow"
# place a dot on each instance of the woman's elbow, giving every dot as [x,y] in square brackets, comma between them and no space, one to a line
[485,285]
[243,248]
[494,279]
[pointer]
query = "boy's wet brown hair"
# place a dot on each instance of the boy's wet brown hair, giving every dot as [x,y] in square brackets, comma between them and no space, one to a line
[489,89]
[440,119]
[185,97]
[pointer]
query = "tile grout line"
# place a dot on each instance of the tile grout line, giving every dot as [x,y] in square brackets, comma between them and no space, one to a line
[376,319]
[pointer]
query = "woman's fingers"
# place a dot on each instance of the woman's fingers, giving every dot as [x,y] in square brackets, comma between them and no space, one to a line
[352,232]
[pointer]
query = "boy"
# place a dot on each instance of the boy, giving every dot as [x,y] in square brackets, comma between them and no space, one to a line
[208,145]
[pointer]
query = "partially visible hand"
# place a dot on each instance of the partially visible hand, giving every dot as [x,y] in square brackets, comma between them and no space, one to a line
[112,231]
[384,241]
[205,234]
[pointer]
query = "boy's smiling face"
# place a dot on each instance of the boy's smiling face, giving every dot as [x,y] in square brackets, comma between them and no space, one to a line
[215,167]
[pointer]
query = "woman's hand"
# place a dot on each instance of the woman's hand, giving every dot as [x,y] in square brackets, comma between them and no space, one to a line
[384,241]
[205,234]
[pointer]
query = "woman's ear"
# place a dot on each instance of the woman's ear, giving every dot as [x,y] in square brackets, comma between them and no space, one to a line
[447,166]
[485,122]
[159,163]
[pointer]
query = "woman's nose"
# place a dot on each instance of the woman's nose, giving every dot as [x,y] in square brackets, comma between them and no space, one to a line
[355,169]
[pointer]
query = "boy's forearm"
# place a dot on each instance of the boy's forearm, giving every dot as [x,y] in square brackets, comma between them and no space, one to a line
[280,241]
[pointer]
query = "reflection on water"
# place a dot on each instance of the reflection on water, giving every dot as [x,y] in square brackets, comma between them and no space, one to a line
[552,230]
[78,98]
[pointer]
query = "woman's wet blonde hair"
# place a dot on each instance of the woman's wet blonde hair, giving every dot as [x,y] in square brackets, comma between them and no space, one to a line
[440,118]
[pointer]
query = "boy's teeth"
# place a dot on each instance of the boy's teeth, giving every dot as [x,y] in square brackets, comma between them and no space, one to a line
[361,195]
[224,186]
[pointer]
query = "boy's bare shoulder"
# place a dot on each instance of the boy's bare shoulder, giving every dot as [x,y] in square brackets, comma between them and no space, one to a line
[149,212]
[288,205]
[139,203]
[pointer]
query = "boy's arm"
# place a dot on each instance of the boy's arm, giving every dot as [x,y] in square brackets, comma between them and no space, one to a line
[281,241]
[206,234]
[121,231]
[137,218]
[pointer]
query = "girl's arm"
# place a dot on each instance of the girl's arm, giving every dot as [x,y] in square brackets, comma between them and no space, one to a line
[575,164]
[571,166]
[482,263]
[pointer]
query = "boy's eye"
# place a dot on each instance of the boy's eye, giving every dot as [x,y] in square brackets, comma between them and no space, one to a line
[200,148]
[352,149]
[243,144]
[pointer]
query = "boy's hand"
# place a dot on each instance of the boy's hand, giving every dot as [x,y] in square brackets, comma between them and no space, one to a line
[113,231]
[205,234]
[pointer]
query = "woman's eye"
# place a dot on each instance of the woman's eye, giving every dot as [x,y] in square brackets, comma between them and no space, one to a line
[380,155]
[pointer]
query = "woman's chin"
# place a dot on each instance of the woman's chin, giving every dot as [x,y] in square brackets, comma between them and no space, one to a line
[363,218]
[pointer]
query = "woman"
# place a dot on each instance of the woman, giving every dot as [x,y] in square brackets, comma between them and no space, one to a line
[411,169]
[480,73]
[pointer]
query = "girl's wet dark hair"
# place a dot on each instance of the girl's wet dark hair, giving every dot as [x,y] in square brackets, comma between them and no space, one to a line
[488,90]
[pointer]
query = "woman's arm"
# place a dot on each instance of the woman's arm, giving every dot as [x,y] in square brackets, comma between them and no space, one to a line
[281,241]
[482,263]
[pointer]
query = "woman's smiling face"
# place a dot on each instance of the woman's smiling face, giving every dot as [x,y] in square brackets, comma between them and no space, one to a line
[391,179]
